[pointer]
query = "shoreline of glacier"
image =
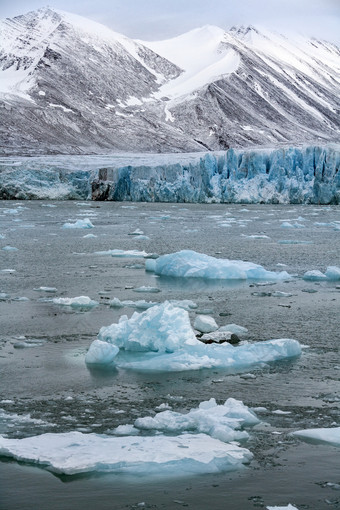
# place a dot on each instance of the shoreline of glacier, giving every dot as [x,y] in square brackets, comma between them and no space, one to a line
[305,175]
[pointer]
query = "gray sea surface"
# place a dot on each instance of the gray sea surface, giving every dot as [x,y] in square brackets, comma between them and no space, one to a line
[43,345]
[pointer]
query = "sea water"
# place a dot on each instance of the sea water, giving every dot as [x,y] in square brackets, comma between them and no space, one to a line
[47,387]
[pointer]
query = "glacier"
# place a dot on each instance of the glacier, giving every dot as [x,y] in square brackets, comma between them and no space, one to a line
[296,175]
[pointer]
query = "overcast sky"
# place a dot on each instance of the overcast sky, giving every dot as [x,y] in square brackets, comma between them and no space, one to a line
[160,19]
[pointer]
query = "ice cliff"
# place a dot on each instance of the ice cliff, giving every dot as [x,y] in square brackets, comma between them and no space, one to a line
[283,175]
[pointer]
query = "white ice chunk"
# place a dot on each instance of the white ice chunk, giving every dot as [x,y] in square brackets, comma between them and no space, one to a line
[73,452]
[122,253]
[85,223]
[205,324]
[9,248]
[256,236]
[223,422]
[333,273]
[288,507]
[101,353]
[89,236]
[186,304]
[188,263]
[126,430]
[46,289]
[76,302]
[314,275]
[141,304]
[152,290]
[322,435]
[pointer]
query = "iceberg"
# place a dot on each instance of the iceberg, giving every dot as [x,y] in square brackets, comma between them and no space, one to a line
[190,264]
[224,422]
[72,453]
[320,435]
[288,507]
[332,274]
[85,223]
[162,339]
[123,253]
[141,304]
[296,175]
[83,302]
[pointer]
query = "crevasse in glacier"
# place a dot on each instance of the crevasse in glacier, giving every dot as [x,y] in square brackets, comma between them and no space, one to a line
[283,175]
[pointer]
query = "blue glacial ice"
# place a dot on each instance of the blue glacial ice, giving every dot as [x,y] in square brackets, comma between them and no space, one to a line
[190,264]
[162,339]
[283,175]
[72,453]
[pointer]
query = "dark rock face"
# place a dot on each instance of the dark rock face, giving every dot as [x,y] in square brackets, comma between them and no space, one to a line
[78,92]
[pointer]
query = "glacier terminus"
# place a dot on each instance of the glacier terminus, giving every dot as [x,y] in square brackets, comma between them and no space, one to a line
[305,175]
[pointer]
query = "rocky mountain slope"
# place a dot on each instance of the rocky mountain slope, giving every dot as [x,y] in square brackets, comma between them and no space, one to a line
[70,85]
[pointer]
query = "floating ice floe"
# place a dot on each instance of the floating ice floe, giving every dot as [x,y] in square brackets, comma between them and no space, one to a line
[188,263]
[321,435]
[152,290]
[46,289]
[293,241]
[9,248]
[85,223]
[332,273]
[89,236]
[186,304]
[256,236]
[162,339]
[288,507]
[76,302]
[122,253]
[8,419]
[224,422]
[137,232]
[71,453]
[141,304]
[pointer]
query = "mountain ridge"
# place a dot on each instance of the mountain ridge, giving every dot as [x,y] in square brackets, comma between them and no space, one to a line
[66,88]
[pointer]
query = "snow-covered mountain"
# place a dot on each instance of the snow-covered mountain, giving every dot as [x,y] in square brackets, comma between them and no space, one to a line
[70,85]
